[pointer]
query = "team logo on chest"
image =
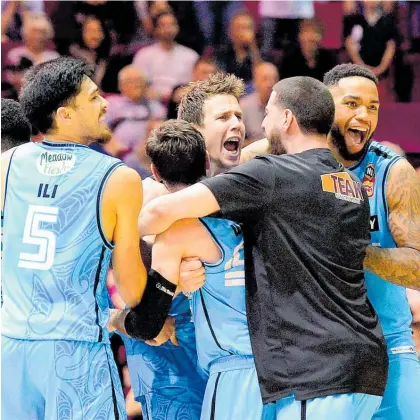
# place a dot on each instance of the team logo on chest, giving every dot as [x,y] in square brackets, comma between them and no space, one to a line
[369,179]
[343,186]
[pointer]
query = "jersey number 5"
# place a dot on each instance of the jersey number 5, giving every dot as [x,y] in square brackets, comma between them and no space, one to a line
[44,239]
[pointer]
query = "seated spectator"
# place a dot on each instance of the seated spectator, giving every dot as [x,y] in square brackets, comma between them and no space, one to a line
[253,105]
[165,63]
[12,15]
[307,58]
[139,160]
[93,45]
[371,38]
[202,69]
[36,32]
[128,113]
[241,54]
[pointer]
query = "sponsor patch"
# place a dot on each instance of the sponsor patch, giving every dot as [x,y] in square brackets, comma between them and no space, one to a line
[369,179]
[343,186]
[403,349]
[55,163]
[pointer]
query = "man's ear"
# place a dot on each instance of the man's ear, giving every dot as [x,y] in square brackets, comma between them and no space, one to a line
[155,172]
[288,119]
[63,116]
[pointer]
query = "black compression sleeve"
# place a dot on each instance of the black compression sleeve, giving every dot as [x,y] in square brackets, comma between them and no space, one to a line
[146,319]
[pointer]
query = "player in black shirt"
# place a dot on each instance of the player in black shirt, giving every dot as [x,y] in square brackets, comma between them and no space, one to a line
[314,334]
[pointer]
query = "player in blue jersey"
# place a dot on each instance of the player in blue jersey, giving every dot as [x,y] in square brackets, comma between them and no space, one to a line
[223,343]
[67,211]
[166,376]
[393,261]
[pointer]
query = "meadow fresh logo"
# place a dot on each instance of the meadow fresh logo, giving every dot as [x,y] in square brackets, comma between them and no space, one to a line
[55,163]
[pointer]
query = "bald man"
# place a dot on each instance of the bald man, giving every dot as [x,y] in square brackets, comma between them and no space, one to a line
[130,111]
[253,105]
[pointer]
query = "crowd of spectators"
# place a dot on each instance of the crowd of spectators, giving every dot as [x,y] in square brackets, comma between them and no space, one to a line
[145,52]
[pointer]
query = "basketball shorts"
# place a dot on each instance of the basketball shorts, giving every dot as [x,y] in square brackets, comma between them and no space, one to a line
[402,393]
[233,391]
[58,379]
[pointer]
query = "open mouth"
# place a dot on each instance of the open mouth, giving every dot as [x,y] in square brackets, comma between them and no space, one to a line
[357,135]
[232,144]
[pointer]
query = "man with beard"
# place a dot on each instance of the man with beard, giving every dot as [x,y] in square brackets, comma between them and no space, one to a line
[219,314]
[393,189]
[67,210]
[318,346]
[167,380]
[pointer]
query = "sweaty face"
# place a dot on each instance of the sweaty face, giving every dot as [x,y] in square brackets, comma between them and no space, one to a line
[272,125]
[224,132]
[89,111]
[356,116]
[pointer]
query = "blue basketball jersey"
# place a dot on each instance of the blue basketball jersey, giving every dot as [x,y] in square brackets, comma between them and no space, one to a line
[55,254]
[389,300]
[219,311]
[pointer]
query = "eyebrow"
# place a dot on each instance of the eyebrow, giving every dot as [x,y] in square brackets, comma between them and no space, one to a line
[95,90]
[357,98]
[220,114]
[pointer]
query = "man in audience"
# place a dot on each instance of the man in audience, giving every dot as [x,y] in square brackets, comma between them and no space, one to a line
[165,63]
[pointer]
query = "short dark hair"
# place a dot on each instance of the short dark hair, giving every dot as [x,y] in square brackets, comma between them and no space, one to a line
[178,151]
[15,128]
[310,101]
[342,71]
[50,85]
[192,100]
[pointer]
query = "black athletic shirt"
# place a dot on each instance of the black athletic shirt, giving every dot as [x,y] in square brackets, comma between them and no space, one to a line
[306,229]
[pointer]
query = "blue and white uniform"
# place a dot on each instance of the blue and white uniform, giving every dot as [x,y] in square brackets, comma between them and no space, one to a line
[402,394]
[56,358]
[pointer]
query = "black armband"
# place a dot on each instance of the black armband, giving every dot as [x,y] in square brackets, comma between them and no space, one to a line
[145,320]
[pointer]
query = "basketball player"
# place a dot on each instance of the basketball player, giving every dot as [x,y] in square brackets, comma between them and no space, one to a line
[67,210]
[167,379]
[223,343]
[394,193]
[318,346]
[393,261]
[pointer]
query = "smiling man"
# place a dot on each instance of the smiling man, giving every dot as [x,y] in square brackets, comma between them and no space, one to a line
[393,189]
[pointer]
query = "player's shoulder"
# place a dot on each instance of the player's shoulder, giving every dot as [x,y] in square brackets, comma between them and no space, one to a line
[182,232]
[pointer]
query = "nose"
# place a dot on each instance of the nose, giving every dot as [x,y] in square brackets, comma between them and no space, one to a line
[362,114]
[235,123]
[105,104]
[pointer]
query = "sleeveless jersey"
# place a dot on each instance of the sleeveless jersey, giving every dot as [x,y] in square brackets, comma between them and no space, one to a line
[218,308]
[389,300]
[55,254]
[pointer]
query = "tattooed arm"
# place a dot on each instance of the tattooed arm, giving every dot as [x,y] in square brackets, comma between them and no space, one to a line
[400,265]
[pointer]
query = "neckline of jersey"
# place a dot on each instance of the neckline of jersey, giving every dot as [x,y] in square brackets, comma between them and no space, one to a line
[61,144]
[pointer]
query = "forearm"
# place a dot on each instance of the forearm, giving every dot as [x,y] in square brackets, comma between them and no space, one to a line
[388,56]
[400,266]
[117,319]
[353,53]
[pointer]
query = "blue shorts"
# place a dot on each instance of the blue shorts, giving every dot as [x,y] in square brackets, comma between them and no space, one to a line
[167,379]
[402,393]
[233,391]
[333,407]
[58,379]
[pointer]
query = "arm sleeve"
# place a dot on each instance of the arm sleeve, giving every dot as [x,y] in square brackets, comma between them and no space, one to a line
[244,191]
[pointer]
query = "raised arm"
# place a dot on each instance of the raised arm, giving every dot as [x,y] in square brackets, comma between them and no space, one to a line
[122,201]
[400,265]
[161,213]
[259,147]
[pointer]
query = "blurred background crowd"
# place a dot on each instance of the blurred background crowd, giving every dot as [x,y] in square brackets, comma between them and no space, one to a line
[145,52]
